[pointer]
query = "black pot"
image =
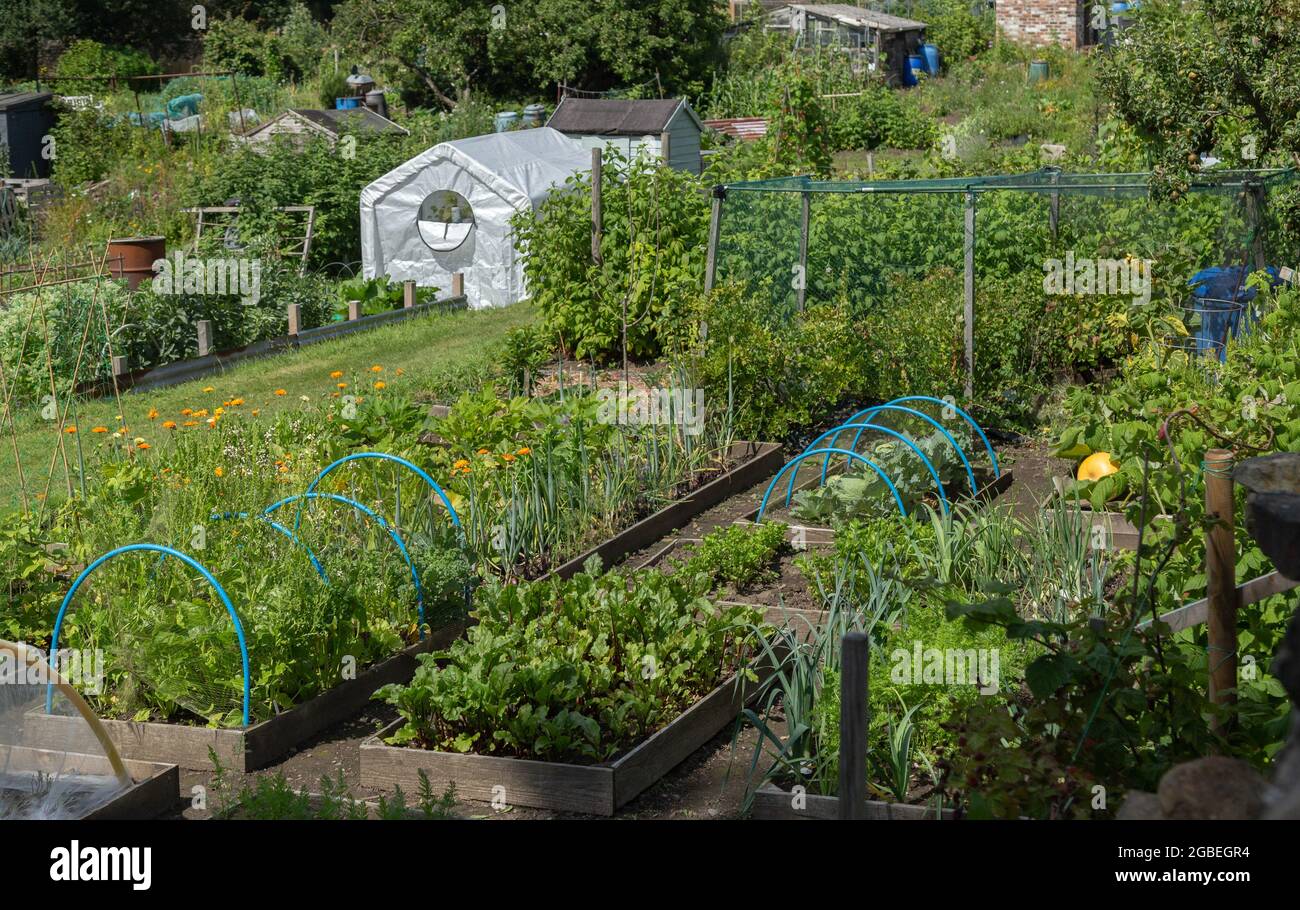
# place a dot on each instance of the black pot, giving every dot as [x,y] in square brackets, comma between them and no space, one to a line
[1273,507]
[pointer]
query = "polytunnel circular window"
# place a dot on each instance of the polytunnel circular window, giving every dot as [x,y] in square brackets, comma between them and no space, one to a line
[445,220]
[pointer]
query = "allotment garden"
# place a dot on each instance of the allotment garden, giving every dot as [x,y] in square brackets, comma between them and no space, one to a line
[931,456]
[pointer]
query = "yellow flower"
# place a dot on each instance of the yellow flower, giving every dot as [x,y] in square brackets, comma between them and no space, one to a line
[236,401]
[169,424]
[507,457]
[380,385]
[343,385]
[376,369]
[461,464]
[203,412]
[218,470]
[337,374]
[191,423]
[281,392]
[219,411]
[208,388]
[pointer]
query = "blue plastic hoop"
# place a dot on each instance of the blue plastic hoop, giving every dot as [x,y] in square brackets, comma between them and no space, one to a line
[397,538]
[902,509]
[384,456]
[997,470]
[929,466]
[166,551]
[221,516]
[961,453]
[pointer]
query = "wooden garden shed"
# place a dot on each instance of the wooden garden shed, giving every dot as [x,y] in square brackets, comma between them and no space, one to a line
[634,127]
[26,118]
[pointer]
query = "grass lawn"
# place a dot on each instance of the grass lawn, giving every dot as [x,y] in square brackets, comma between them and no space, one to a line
[413,353]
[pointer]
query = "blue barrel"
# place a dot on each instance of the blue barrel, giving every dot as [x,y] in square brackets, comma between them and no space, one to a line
[915,66]
[1222,300]
[931,58]
[1119,6]
[347,104]
[505,120]
[534,114]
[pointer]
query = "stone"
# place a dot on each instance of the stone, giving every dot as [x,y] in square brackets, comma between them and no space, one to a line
[1215,787]
[1140,806]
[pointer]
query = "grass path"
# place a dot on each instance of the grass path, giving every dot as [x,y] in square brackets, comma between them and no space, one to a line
[422,349]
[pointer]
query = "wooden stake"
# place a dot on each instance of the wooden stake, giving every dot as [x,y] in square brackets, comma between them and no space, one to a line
[853,725]
[295,318]
[597,221]
[1221,583]
[408,294]
[354,310]
[205,337]
[458,284]
[715,228]
[665,147]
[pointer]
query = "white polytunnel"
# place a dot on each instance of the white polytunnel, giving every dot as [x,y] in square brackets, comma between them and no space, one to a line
[448,210]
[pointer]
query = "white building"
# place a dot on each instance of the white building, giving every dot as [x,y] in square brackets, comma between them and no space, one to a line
[449,208]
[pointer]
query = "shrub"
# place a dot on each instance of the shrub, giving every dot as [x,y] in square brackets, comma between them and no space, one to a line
[86,59]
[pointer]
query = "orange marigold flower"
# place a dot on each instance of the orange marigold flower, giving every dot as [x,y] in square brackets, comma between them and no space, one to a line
[218,470]
[337,374]
[191,423]
[461,464]
[376,369]
[343,385]
[281,392]
[236,401]
[524,451]
[143,445]
[256,411]
[380,385]
[482,451]
[208,388]
[169,424]
[153,414]
[186,412]
[507,457]
[69,429]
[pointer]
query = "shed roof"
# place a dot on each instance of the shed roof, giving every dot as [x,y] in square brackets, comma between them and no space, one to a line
[24,99]
[332,122]
[859,16]
[617,116]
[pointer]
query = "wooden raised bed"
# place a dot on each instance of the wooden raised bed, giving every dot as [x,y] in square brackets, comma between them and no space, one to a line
[753,462]
[591,789]
[771,803]
[1121,533]
[257,745]
[154,790]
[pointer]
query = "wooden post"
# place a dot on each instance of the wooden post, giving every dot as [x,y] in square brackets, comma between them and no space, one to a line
[119,366]
[205,337]
[354,310]
[295,318]
[1221,583]
[715,226]
[458,284]
[853,725]
[968,313]
[408,294]
[597,222]
[666,147]
[801,290]
[1255,202]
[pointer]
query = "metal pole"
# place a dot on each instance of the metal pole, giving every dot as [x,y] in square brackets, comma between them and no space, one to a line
[853,725]
[1054,210]
[801,289]
[715,224]
[968,314]
[1221,584]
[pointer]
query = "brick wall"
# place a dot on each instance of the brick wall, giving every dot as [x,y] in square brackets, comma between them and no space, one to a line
[1040,22]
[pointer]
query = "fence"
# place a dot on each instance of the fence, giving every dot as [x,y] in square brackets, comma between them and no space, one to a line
[798,241]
